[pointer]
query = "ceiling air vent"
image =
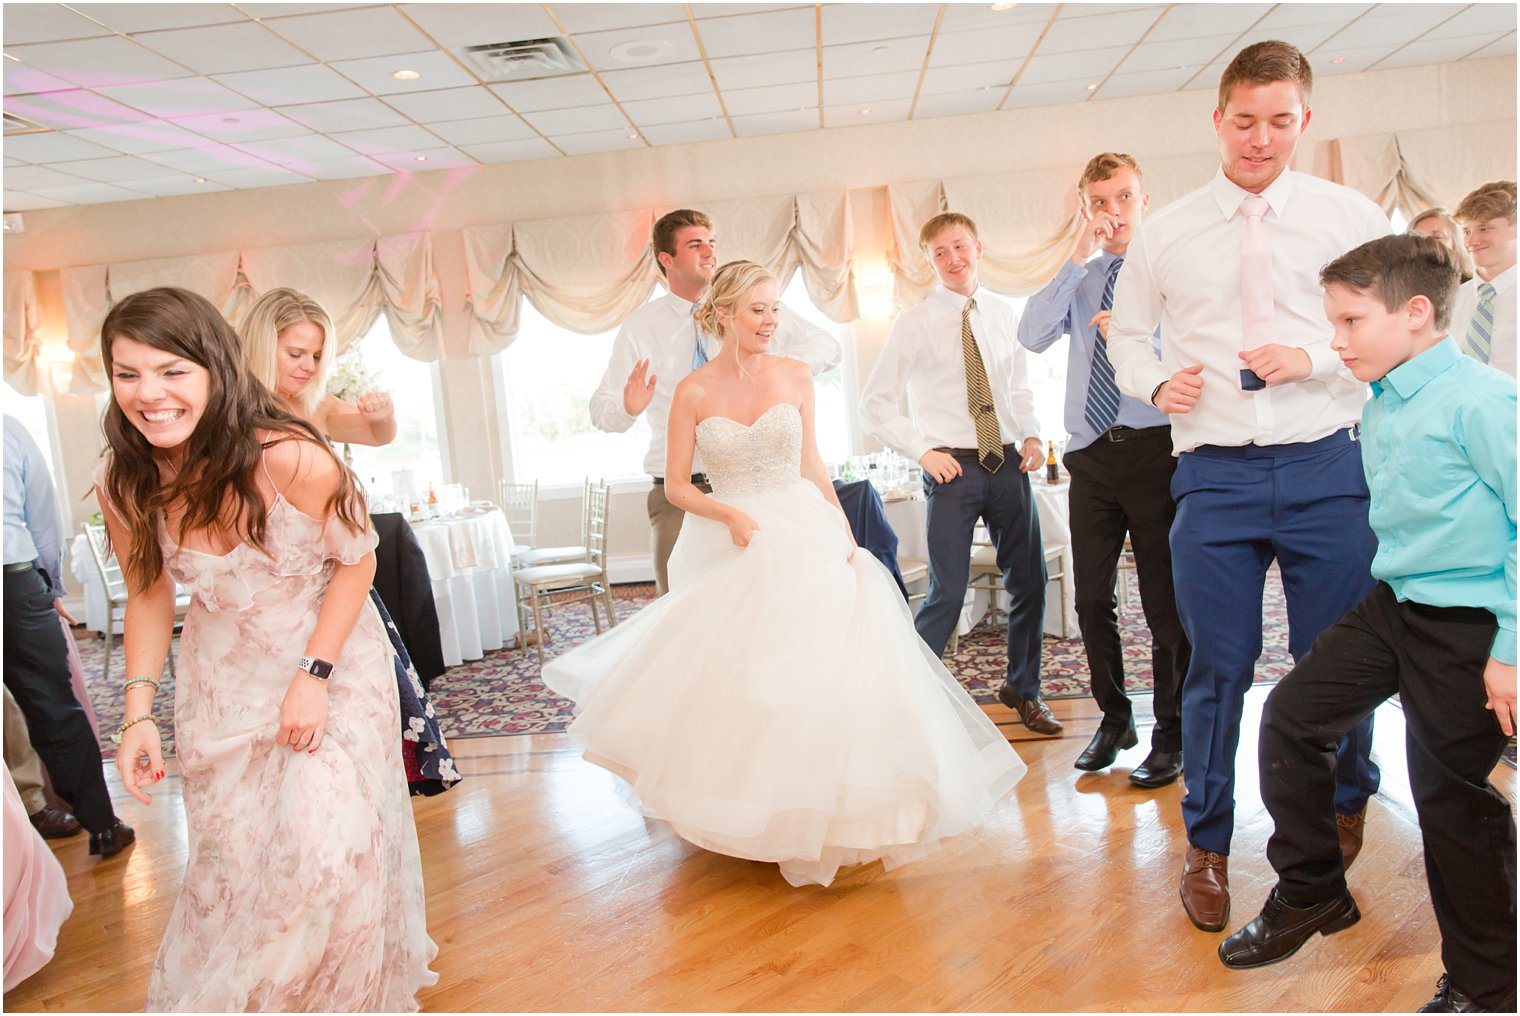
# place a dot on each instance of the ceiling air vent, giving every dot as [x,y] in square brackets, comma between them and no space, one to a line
[20,125]
[525,59]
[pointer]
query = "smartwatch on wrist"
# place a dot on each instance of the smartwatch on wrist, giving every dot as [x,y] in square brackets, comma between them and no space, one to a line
[319,669]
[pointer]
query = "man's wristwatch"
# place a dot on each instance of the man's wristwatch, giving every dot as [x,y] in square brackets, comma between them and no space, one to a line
[319,669]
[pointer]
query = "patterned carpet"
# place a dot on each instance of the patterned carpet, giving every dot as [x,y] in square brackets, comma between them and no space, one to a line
[502,693]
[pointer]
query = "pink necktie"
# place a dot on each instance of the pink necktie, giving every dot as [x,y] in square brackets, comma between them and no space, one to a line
[1258,318]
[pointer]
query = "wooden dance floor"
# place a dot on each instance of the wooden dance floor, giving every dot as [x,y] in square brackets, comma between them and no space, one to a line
[546,893]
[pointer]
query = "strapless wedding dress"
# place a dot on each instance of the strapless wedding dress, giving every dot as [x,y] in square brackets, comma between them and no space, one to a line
[777,704]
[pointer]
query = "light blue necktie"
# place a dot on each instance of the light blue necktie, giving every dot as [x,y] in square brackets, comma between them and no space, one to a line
[1480,330]
[698,347]
[1102,391]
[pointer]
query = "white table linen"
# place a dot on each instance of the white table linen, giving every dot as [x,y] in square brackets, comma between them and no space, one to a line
[469,560]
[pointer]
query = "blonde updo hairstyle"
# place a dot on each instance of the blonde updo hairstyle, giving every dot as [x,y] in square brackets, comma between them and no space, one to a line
[270,315]
[729,285]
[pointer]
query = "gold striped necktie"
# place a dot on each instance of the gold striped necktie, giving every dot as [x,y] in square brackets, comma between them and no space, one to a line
[989,437]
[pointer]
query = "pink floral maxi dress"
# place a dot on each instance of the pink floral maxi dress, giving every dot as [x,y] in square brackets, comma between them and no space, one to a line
[304,885]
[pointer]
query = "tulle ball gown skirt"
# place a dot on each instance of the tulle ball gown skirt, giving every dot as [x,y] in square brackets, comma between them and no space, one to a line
[777,704]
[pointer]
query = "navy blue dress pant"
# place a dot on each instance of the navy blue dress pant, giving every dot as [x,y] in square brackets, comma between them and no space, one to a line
[1239,509]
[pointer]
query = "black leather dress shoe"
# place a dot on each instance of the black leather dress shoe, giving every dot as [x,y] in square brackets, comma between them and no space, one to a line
[1158,769]
[1033,711]
[1105,747]
[1281,929]
[55,824]
[113,841]
[1449,999]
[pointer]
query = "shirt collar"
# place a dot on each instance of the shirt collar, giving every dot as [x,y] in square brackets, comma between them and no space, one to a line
[1228,195]
[1410,376]
[956,299]
[684,306]
[1503,282]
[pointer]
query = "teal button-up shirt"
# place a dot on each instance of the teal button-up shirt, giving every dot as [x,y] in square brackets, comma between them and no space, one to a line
[1438,446]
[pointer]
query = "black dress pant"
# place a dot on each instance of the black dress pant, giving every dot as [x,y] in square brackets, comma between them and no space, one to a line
[401,579]
[1120,487]
[1433,658]
[37,674]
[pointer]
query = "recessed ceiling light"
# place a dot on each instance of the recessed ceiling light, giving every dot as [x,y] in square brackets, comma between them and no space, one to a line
[1004,7]
[881,49]
[865,111]
[1337,59]
[1092,87]
[200,179]
[633,135]
[641,51]
[420,158]
[406,75]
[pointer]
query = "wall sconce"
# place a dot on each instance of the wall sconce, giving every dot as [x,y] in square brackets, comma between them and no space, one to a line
[875,290]
[60,366]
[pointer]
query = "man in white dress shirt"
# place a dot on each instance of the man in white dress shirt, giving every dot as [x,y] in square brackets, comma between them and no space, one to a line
[970,423]
[1263,424]
[1483,318]
[660,344]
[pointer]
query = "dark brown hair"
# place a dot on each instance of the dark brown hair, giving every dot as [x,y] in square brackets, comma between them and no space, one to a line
[663,237]
[1491,201]
[943,221]
[1104,165]
[1394,269]
[217,483]
[1264,63]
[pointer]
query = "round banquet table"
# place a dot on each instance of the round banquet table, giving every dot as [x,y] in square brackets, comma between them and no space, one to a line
[469,560]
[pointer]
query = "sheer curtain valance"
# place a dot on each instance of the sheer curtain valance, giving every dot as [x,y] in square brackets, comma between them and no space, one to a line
[1419,169]
[23,349]
[587,273]
[355,280]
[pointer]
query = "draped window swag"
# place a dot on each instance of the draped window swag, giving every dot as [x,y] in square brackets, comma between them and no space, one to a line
[23,349]
[587,273]
[355,280]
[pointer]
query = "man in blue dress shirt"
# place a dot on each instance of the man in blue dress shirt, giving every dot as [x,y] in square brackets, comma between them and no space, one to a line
[1121,465]
[36,657]
[1438,630]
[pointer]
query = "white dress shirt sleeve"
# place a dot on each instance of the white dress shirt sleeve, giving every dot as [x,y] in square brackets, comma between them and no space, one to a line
[1138,306]
[802,340]
[881,400]
[607,412]
[1016,385]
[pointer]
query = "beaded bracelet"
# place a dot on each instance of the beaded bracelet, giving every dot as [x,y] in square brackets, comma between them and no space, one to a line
[139,680]
[116,737]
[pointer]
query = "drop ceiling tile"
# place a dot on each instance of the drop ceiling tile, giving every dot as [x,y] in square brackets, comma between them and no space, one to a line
[437,158]
[15,201]
[1151,82]
[21,78]
[658,82]
[349,168]
[1388,30]
[376,73]
[90,194]
[678,109]
[297,150]
[208,161]
[488,130]
[344,115]
[26,23]
[957,103]
[715,129]
[242,125]
[1006,43]
[243,179]
[597,141]
[1080,33]
[872,89]
[1289,15]
[726,10]
[846,23]
[1392,9]
[72,109]
[638,47]
[268,11]
[771,32]
[311,83]
[1156,56]
[1093,65]
[1046,94]
[1192,21]
[54,146]
[580,120]
[766,69]
[97,62]
[773,99]
[861,58]
[969,17]
[580,17]
[551,93]
[137,138]
[1502,46]
[178,98]
[39,178]
[176,186]
[459,25]
[993,77]
[353,34]
[511,151]
[1434,51]
[226,49]
[1308,38]
[140,17]
[469,103]
[388,140]
[781,122]
[854,114]
[1351,60]
[118,169]
[1478,20]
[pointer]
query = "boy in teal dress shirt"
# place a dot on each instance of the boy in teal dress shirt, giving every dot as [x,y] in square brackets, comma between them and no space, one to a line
[1438,440]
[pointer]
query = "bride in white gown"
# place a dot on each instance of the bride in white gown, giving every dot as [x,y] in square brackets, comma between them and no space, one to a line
[777,704]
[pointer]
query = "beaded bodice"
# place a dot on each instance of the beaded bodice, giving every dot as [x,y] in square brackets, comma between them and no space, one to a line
[766,455]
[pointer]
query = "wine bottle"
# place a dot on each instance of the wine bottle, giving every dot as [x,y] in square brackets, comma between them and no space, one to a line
[1052,471]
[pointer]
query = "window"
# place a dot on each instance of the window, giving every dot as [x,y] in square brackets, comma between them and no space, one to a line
[835,395]
[32,411]
[412,385]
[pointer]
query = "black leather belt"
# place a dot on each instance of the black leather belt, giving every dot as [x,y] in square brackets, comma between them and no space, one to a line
[659,481]
[1009,452]
[20,566]
[1130,433]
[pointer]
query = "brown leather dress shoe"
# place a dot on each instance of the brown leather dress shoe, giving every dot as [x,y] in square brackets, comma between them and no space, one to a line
[1033,711]
[1351,828]
[54,824]
[1206,888]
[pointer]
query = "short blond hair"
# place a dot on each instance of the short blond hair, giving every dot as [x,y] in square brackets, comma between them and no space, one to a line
[1264,63]
[729,284]
[1104,165]
[943,221]
[270,315]
[1491,201]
